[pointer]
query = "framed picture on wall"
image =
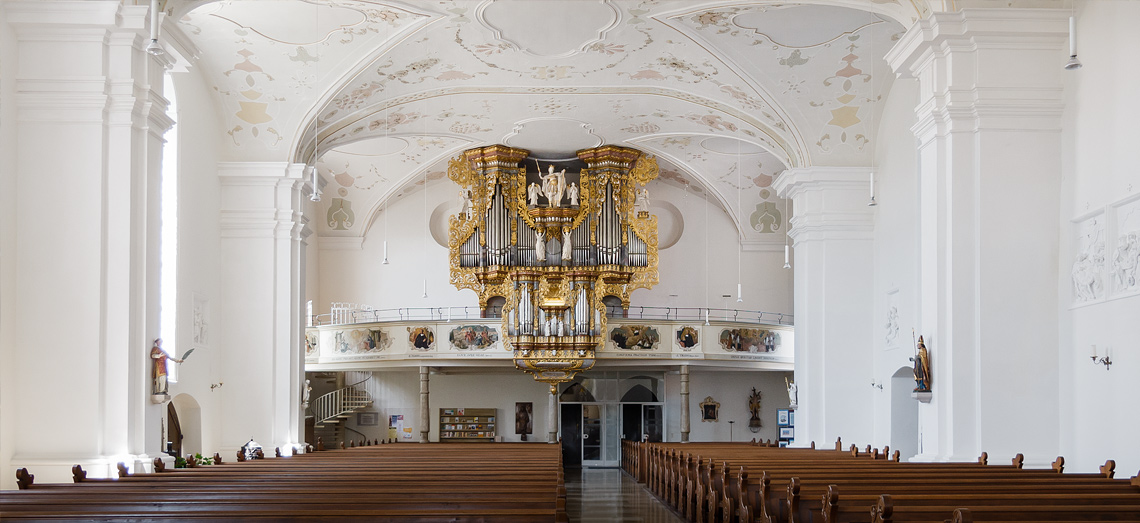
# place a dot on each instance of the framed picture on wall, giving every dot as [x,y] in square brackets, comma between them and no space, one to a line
[710,410]
[787,433]
[783,417]
[367,418]
[783,443]
[791,418]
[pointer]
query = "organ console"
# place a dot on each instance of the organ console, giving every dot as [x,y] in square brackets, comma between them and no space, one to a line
[554,245]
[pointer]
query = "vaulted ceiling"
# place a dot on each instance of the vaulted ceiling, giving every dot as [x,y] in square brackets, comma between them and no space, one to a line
[725,94]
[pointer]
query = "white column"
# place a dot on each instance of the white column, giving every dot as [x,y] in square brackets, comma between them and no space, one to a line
[552,416]
[262,304]
[425,411]
[989,132]
[832,231]
[81,146]
[685,404]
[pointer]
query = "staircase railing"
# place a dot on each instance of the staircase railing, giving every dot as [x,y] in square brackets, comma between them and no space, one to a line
[340,402]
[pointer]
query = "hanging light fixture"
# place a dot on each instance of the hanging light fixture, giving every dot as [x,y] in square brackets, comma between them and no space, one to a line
[427,217]
[311,165]
[787,257]
[740,241]
[1073,64]
[385,262]
[153,47]
[874,138]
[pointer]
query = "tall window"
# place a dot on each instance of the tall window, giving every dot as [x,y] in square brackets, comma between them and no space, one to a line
[168,236]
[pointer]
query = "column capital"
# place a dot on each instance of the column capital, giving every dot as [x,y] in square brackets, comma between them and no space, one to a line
[261,199]
[986,69]
[830,202]
[972,29]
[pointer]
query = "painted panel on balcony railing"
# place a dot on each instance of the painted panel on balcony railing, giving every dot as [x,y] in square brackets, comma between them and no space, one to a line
[312,345]
[475,338]
[687,338]
[626,339]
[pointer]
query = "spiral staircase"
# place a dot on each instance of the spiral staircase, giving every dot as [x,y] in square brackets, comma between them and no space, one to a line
[329,411]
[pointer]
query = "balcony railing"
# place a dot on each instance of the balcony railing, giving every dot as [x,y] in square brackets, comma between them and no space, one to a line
[351,313]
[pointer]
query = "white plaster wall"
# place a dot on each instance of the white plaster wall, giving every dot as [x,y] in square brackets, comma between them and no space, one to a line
[8,215]
[731,389]
[896,258]
[700,268]
[1098,412]
[198,247]
[397,392]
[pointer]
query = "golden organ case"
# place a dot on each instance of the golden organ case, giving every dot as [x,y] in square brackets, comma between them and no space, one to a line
[554,245]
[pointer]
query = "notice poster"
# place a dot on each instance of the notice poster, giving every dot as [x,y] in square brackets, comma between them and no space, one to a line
[395,425]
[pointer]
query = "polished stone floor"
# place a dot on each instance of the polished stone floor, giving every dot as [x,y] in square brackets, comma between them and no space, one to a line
[598,495]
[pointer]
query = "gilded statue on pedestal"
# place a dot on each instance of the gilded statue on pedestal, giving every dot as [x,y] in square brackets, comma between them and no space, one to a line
[921,367]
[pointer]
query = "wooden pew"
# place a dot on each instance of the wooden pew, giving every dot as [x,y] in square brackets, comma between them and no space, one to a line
[437,482]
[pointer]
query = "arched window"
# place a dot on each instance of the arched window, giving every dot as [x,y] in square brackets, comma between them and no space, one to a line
[168,235]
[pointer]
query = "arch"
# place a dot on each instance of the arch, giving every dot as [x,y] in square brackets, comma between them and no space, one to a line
[639,394]
[904,414]
[788,149]
[494,308]
[614,306]
[189,415]
[576,392]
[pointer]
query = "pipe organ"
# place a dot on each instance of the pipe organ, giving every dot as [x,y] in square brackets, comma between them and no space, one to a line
[553,244]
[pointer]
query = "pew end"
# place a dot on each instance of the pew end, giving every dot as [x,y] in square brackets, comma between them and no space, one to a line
[1059,465]
[24,480]
[883,510]
[984,459]
[123,472]
[78,474]
[1108,469]
[962,515]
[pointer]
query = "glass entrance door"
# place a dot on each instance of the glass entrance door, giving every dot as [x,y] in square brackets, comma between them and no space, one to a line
[642,421]
[592,438]
[652,422]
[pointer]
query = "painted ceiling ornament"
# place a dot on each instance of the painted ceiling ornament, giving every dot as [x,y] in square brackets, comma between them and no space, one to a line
[554,318]
[340,215]
[766,218]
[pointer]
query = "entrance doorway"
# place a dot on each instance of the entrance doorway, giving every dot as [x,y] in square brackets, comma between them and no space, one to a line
[596,412]
[641,422]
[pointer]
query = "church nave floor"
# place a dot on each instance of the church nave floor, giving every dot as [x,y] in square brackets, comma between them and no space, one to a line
[601,495]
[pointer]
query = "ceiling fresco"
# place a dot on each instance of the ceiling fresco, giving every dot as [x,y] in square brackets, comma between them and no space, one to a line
[726,94]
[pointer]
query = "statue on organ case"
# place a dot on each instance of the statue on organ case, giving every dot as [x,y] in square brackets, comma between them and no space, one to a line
[567,247]
[539,246]
[553,184]
[532,191]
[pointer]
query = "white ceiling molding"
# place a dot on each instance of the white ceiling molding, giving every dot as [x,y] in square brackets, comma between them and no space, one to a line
[360,123]
[553,138]
[520,24]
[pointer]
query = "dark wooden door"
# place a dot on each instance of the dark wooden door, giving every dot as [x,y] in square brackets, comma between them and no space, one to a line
[571,434]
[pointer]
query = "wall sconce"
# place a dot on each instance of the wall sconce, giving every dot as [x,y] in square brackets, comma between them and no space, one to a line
[215,386]
[876,385]
[1106,360]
